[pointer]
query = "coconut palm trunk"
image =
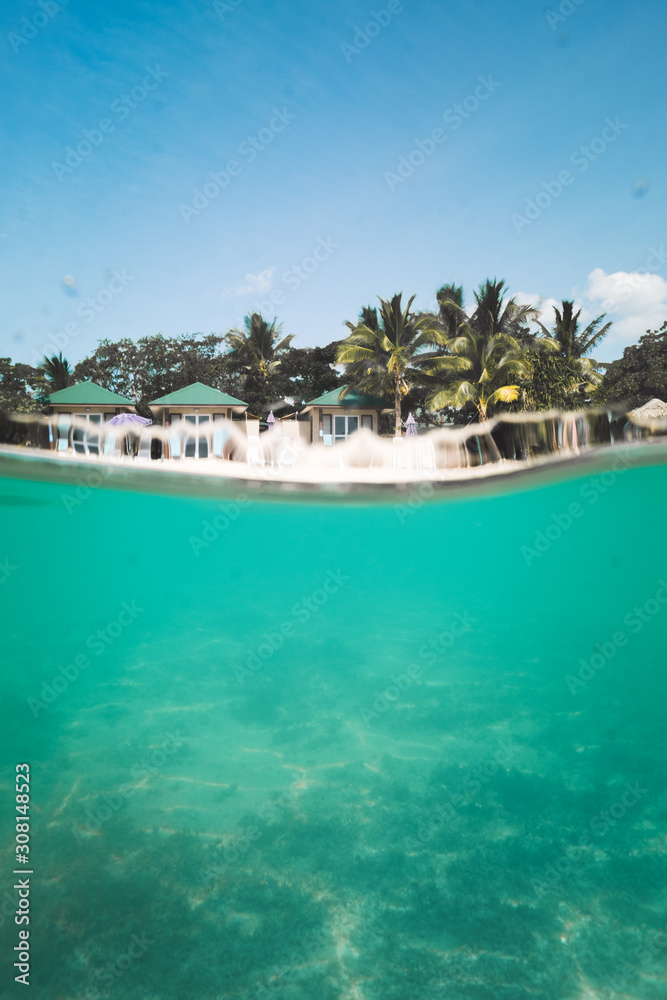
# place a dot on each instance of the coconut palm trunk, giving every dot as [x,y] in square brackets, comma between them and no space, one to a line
[397,404]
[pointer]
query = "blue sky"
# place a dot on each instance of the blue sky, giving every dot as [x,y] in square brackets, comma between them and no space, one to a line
[305,111]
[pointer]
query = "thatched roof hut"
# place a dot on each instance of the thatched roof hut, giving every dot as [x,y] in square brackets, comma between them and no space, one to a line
[655,409]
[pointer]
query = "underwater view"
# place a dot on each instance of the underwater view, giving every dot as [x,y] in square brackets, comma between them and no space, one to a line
[397,746]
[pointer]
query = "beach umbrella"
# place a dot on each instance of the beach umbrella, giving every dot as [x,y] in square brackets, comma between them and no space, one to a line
[271,420]
[127,418]
[410,426]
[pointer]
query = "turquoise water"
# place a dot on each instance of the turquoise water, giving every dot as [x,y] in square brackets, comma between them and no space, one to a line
[339,749]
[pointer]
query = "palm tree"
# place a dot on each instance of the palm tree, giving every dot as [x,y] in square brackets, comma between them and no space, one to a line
[486,352]
[367,317]
[386,354]
[569,339]
[478,370]
[258,346]
[450,308]
[57,372]
[494,317]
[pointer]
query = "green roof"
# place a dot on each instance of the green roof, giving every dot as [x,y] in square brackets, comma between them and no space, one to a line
[197,394]
[353,398]
[87,394]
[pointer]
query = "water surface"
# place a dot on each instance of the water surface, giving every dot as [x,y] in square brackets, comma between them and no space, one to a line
[367,750]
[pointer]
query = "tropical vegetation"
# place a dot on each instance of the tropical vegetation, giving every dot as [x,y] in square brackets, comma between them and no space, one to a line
[641,374]
[450,363]
[386,353]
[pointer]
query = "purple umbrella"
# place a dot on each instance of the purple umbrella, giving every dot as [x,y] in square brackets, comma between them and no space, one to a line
[271,420]
[410,426]
[127,418]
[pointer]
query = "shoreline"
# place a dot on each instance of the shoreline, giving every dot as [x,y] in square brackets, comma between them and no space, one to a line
[221,478]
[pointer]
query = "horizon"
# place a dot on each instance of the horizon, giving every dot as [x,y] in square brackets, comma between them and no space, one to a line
[185,166]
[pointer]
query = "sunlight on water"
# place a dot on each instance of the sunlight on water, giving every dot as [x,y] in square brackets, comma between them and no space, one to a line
[366,750]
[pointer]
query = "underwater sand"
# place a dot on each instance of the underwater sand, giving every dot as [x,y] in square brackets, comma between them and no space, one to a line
[389,804]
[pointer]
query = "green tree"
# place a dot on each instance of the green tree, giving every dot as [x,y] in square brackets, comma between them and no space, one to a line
[486,353]
[153,366]
[308,372]
[256,353]
[450,308]
[57,372]
[566,336]
[555,382]
[480,369]
[495,317]
[640,375]
[387,357]
[21,387]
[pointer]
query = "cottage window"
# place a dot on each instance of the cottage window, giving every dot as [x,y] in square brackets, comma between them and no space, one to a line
[344,426]
[85,439]
[196,444]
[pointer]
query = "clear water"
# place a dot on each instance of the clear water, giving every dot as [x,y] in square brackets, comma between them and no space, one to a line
[406,798]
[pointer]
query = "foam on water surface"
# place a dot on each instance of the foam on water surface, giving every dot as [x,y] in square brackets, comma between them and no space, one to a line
[341,749]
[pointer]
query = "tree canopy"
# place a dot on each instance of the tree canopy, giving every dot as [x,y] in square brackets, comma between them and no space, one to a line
[153,366]
[566,336]
[386,352]
[21,387]
[448,363]
[255,354]
[641,374]
[57,372]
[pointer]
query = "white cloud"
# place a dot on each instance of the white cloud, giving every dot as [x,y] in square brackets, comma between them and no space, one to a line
[546,308]
[258,284]
[635,302]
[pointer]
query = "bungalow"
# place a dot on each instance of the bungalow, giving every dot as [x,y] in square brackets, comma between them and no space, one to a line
[92,405]
[201,411]
[333,419]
